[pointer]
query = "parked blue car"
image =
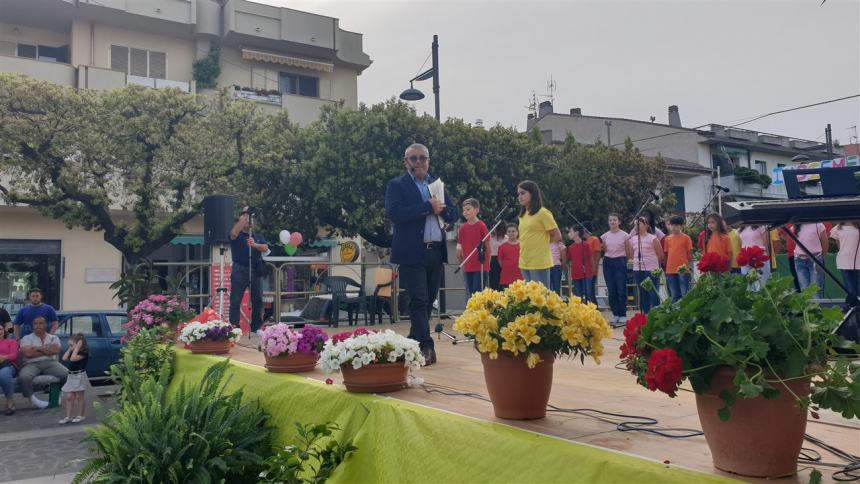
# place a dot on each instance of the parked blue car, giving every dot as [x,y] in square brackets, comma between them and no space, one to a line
[104,333]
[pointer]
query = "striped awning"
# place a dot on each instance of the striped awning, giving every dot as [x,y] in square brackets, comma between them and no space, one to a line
[287,60]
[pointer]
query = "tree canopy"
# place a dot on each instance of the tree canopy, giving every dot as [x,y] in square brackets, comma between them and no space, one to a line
[135,164]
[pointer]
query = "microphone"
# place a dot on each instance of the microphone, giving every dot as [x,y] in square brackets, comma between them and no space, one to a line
[656,197]
[722,188]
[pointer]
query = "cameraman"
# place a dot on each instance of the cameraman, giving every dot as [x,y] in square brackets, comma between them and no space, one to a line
[242,247]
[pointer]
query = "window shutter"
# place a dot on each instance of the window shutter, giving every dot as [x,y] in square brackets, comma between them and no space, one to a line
[158,65]
[7,48]
[26,50]
[119,58]
[138,63]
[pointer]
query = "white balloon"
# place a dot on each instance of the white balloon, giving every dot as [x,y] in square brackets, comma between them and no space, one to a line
[284,236]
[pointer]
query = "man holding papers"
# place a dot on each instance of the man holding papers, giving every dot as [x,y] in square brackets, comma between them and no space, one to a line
[418,208]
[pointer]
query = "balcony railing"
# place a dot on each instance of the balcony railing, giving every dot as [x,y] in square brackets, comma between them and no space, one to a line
[158,83]
[54,72]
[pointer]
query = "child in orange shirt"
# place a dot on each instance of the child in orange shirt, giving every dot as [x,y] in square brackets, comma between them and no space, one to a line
[715,237]
[679,252]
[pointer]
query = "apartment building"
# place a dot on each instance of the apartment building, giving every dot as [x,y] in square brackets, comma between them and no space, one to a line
[697,159]
[277,57]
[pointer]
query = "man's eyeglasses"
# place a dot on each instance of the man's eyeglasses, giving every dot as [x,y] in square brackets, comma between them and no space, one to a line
[418,159]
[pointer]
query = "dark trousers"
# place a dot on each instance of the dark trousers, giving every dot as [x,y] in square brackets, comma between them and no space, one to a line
[851,277]
[495,272]
[421,282]
[647,298]
[238,284]
[615,273]
[793,273]
[555,279]
[584,289]
[473,282]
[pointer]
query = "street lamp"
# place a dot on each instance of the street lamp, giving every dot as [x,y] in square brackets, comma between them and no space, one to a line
[413,94]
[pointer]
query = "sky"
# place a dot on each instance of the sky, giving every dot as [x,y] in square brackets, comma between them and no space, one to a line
[721,62]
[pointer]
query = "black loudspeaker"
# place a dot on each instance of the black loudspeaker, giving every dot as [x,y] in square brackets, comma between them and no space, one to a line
[217,219]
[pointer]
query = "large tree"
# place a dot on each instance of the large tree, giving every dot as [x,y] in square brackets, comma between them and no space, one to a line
[336,176]
[133,163]
[590,181]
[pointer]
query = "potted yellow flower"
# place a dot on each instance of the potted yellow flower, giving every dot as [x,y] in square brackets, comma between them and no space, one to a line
[519,333]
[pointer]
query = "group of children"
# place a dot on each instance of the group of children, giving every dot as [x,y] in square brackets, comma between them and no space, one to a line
[533,250]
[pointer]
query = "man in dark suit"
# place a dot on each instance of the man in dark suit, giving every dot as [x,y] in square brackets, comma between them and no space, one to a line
[418,243]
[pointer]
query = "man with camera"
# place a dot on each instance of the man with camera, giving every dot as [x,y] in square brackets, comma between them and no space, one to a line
[247,249]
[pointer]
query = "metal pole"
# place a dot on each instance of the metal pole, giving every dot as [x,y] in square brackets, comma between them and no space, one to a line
[436,74]
[829,134]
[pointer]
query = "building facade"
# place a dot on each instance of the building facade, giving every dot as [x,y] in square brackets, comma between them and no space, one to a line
[279,58]
[697,159]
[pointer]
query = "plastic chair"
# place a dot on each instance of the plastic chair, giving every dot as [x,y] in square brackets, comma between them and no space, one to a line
[340,299]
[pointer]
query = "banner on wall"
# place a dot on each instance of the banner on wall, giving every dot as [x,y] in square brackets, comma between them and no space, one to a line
[835,163]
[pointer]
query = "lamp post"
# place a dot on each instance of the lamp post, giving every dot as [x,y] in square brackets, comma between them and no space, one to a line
[413,94]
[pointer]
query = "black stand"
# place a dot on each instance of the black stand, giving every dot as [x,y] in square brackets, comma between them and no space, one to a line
[221,289]
[704,213]
[651,198]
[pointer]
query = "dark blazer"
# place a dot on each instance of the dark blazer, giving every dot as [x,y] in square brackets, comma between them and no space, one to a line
[408,213]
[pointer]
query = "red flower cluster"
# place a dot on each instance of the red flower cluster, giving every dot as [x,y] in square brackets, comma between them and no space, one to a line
[713,262]
[754,257]
[631,333]
[347,334]
[664,371]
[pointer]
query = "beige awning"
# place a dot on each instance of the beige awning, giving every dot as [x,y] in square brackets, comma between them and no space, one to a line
[287,60]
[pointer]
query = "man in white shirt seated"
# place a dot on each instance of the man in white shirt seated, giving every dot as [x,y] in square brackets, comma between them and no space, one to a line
[40,350]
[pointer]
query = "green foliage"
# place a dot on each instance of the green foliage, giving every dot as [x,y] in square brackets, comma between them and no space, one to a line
[144,358]
[748,175]
[132,163]
[594,180]
[139,282]
[336,176]
[207,69]
[768,335]
[312,461]
[200,434]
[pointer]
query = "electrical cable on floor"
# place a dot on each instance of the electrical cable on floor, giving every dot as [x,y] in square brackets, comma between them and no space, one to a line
[849,472]
[623,422]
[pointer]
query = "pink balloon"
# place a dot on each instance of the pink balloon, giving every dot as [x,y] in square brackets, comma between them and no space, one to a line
[296,239]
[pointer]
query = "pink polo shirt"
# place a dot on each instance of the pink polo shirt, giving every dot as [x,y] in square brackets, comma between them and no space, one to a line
[848,257]
[753,237]
[808,236]
[613,243]
[650,261]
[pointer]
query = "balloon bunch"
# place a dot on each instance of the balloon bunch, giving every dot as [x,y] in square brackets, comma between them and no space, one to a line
[291,241]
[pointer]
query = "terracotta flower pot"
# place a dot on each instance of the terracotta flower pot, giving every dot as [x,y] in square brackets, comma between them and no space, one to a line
[210,347]
[762,438]
[375,378]
[292,363]
[517,391]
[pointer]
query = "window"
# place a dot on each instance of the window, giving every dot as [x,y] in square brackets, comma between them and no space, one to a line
[301,85]
[80,323]
[138,62]
[761,167]
[28,51]
[680,206]
[44,52]
[115,323]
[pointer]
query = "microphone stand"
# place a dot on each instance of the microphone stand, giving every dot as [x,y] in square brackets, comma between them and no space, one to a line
[650,199]
[251,269]
[479,249]
[570,280]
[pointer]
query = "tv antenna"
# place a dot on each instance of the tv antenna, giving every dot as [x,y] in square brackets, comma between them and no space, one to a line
[551,87]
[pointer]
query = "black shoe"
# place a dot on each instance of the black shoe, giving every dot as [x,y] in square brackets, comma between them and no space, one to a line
[429,357]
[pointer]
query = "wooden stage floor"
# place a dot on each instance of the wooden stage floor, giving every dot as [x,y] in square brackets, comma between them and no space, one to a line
[600,387]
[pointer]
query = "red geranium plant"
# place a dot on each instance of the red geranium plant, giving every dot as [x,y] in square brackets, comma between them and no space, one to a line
[768,335]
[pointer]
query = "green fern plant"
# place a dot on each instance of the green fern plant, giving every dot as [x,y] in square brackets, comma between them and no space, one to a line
[198,435]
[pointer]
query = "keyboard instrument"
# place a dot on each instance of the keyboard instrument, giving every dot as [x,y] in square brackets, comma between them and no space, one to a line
[800,210]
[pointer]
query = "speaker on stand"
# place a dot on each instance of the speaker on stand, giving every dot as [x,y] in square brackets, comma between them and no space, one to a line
[217,222]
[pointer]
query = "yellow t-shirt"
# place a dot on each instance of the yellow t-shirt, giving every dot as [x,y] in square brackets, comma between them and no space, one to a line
[534,240]
[736,247]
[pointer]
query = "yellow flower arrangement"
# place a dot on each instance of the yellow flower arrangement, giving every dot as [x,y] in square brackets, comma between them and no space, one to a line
[527,318]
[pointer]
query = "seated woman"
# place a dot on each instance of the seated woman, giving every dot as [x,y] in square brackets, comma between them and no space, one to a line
[8,360]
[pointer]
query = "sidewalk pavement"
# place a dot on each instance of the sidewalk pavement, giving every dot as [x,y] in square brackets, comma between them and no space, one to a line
[36,449]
